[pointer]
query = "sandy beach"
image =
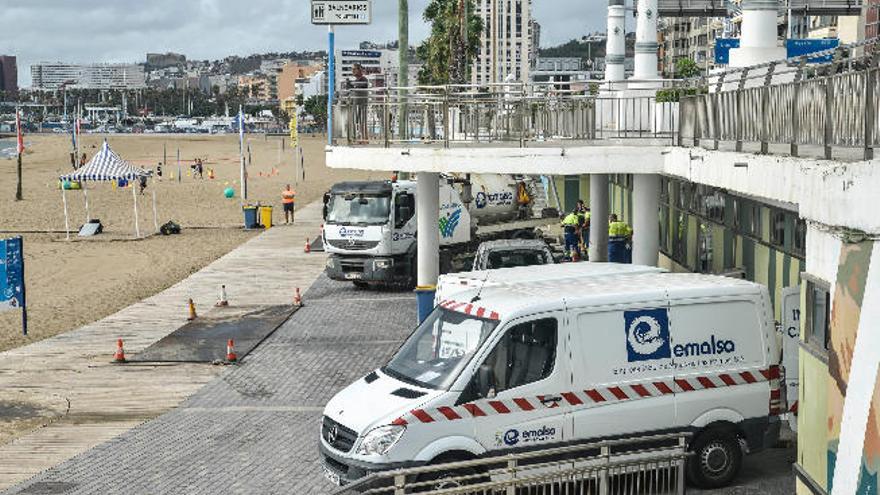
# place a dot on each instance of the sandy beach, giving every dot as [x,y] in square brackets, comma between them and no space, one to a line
[71,283]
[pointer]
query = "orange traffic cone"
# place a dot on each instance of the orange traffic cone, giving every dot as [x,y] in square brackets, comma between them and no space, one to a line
[308,248]
[192,311]
[119,356]
[297,298]
[222,301]
[230,351]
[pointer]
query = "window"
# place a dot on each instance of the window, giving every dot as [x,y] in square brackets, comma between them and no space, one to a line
[525,354]
[777,227]
[799,243]
[818,321]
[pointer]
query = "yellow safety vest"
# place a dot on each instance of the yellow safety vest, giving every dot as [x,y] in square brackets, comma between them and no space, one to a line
[571,220]
[619,229]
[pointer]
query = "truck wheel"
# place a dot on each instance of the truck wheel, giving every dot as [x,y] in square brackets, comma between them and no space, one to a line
[361,284]
[716,460]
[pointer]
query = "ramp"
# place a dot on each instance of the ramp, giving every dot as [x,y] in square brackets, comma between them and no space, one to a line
[203,340]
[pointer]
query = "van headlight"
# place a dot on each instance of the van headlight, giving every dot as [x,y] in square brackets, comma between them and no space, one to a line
[379,440]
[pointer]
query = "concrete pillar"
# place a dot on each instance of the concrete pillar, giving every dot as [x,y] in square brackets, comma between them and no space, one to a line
[645,63]
[646,219]
[599,217]
[615,49]
[758,35]
[428,237]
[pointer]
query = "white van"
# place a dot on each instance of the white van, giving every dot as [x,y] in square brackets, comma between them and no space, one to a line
[542,364]
[453,283]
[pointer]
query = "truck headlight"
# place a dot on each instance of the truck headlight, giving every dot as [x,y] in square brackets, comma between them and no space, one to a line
[330,263]
[380,440]
[381,264]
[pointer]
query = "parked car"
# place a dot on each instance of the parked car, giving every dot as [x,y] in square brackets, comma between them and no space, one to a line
[511,253]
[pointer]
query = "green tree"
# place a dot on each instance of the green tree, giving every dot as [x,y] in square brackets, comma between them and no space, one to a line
[316,106]
[686,68]
[452,45]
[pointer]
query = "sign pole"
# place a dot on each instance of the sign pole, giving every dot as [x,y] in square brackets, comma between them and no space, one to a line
[331,80]
[23,291]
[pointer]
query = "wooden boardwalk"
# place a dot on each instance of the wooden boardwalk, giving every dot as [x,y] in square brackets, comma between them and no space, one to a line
[75,396]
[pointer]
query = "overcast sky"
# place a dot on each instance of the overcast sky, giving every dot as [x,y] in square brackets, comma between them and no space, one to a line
[125,30]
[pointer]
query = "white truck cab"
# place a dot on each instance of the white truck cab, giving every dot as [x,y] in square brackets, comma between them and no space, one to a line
[540,364]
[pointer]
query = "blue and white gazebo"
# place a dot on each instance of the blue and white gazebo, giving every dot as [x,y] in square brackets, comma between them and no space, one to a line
[106,165]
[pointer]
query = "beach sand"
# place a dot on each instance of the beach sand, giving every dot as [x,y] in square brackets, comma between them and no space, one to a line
[72,283]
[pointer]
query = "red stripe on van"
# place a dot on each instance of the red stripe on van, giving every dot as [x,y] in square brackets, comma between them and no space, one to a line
[620,394]
[705,382]
[748,377]
[663,388]
[727,379]
[684,385]
[422,416]
[572,399]
[594,395]
[399,422]
[480,312]
[641,390]
[468,308]
[474,410]
[523,404]
[493,316]
[448,412]
[499,406]
[772,373]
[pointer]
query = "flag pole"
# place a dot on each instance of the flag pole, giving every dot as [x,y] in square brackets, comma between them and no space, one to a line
[20,149]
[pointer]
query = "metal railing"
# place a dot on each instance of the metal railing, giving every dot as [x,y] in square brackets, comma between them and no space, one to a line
[652,465]
[516,114]
[831,104]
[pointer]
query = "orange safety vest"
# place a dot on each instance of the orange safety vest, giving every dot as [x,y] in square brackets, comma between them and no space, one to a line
[287,196]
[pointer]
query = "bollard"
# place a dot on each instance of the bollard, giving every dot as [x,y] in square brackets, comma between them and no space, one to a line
[222,301]
[230,352]
[192,310]
[297,298]
[308,248]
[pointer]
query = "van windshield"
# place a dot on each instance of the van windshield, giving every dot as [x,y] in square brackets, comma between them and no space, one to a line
[437,351]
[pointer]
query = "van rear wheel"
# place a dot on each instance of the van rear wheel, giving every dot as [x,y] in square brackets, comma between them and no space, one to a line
[717,459]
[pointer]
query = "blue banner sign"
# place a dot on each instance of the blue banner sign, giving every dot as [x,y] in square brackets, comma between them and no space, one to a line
[722,49]
[796,48]
[12,293]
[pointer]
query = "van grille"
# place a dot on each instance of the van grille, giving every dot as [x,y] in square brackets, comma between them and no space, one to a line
[352,245]
[339,437]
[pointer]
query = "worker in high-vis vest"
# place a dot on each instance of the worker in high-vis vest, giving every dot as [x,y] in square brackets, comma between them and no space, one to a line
[619,236]
[288,199]
[571,226]
[584,214]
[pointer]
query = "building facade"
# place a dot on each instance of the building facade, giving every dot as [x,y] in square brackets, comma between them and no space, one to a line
[380,66]
[8,73]
[52,76]
[506,47]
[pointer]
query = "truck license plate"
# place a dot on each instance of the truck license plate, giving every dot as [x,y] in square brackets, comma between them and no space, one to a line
[353,276]
[331,475]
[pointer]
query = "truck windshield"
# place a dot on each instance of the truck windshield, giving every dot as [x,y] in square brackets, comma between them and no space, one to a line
[434,355]
[358,209]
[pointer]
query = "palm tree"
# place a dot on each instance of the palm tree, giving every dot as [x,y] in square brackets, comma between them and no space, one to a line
[455,38]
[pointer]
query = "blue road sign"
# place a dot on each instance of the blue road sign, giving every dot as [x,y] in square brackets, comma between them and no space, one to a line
[722,49]
[796,48]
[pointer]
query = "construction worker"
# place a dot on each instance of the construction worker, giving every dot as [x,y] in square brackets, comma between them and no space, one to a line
[288,198]
[619,237]
[584,214]
[571,225]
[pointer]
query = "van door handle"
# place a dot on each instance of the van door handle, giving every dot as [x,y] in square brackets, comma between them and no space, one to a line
[550,400]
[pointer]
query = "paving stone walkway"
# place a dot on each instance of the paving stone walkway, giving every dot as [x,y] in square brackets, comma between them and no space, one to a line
[254,428]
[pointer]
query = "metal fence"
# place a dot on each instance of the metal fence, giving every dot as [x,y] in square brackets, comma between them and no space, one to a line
[652,465]
[517,114]
[832,104]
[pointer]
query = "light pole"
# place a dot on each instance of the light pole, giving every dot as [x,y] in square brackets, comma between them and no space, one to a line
[403,53]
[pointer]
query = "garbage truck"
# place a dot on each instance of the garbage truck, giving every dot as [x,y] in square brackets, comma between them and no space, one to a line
[370,227]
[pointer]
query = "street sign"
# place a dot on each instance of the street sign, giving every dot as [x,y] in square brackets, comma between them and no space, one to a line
[796,48]
[342,12]
[722,49]
[12,294]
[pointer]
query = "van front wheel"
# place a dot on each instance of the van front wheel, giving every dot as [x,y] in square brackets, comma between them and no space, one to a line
[716,459]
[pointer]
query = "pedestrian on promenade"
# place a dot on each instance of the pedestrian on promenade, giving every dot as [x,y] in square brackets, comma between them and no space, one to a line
[288,199]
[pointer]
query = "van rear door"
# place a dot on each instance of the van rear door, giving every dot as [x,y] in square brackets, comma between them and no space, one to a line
[622,370]
[719,346]
[527,371]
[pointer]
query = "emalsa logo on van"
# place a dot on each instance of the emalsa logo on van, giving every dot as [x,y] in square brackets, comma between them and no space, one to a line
[514,437]
[647,338]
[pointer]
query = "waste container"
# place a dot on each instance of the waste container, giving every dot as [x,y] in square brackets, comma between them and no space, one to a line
[425,299]
[250,217]
[266,216]
[619,251]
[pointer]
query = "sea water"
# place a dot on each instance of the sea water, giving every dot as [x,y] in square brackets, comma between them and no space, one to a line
[7,148]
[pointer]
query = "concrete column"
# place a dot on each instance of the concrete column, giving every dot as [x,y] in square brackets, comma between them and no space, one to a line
[428,237]
[599,217]
[646,219]
[645,63]
[758,37]
[615,49]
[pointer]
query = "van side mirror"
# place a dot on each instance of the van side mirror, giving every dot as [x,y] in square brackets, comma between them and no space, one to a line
[403,215]
[486,381]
